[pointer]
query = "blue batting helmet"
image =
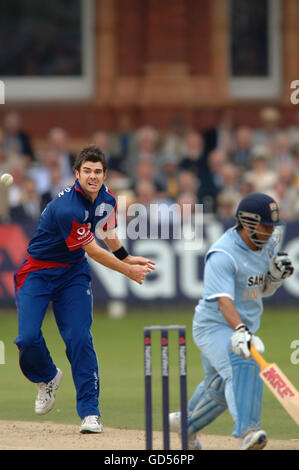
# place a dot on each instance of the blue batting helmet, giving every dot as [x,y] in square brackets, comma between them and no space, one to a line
[259,207]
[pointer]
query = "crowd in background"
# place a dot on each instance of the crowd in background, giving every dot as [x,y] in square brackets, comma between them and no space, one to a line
[181,165]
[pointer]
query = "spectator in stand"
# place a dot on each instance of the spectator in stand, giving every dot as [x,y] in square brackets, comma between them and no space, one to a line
[58,141]
[293,131]
[8,159]
[16,141]
[268,130]
[169,175]
[117,181]
[4,205]
[295,163]
[115,163]
[186,205]
[286,174]
[156,204]
[284,196]
[294,205]
[188,183]
[286,192]
[5,165]
[2,140]
[40,171]
[281,151]
[56,185]
[145,192]
[261,175]
[230,175]
[213,182]
[216,161]
[146,148]
[116,178]
[174,140]
[15,191]
[246,186]
[226,204]
[235,165]
[187,202]
[125,198]
[241,150]
[228,194]
[122,140]
[194,159]
[221,136]
[147,171]
[30,204]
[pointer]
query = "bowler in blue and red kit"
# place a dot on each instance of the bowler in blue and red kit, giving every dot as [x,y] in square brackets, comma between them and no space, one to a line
[56,270]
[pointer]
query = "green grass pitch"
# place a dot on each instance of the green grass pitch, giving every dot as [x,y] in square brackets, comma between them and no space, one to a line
[119,345]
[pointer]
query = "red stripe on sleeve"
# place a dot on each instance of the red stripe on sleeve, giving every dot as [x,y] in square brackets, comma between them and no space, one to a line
[80,236]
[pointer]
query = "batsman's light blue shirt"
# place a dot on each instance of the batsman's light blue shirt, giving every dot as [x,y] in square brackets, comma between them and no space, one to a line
[235,271]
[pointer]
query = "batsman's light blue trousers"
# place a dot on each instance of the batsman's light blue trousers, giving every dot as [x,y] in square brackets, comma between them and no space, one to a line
[228,379]
[68,288]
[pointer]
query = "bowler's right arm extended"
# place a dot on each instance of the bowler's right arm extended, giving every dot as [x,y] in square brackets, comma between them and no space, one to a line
[101,255]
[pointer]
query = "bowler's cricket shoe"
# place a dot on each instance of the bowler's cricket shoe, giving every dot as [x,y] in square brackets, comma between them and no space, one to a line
[253,440]
[91,424]
[45,396]
[175,426]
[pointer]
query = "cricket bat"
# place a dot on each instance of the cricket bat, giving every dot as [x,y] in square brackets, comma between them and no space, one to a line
[279,385]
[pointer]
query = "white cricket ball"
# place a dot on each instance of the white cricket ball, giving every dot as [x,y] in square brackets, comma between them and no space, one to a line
[6,179]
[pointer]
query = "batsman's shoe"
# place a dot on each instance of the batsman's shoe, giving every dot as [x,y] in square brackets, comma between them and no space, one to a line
[253,440]
[175,426]
[45,396]
[91,424]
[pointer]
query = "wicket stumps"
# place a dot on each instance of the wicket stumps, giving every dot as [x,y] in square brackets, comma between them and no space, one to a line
[165,384]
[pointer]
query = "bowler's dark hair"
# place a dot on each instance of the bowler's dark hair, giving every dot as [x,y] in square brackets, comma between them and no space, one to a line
[92,153]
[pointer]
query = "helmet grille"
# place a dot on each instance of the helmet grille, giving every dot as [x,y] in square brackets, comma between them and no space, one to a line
[249,221]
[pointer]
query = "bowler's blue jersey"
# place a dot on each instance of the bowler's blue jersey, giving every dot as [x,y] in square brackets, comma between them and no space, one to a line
[69,222]
[235,271]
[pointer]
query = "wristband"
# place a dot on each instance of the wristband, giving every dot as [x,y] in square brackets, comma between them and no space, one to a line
[121,253]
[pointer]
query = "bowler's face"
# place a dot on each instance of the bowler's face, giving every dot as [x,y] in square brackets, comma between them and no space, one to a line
[91,177]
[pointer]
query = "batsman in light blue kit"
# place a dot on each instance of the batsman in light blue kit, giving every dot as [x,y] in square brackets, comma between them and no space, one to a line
[56,270]
[241,268]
